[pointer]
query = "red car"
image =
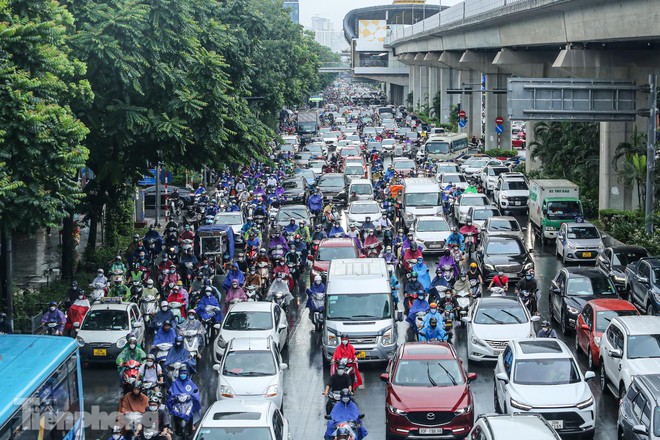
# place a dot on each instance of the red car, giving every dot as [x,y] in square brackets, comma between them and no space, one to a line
[331,249]
[428,393]
[592,322]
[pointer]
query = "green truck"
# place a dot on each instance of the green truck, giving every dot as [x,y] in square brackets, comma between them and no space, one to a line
[551,203]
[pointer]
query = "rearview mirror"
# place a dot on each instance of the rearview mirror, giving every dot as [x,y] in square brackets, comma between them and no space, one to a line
[466,319]
[76,324]
[640,429]
[471,377]
[216,326]
[524,228]
[535,318]
[585,327]
[589,375]
[616,354]
[216,367]
[328,418]
[284,366]
[385,377]
[644,280]
[503,377]
[281,326]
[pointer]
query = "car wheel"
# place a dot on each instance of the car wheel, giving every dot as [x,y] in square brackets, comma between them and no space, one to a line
[650,309]
[565,329]
[496,401]
[590,359]
[603,377]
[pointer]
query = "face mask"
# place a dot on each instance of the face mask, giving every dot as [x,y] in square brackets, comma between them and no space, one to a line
[528,277]
[150,364]
[152,408]
[52,309]
[131,346]
[164,309]
[448,295]
[80,297]
[208,293]
[433,326]
[172,270]
[317,282]
[235,286]
[345,399]
[344,342]
[116,436]
[178,345]
[434,310]
[183,376]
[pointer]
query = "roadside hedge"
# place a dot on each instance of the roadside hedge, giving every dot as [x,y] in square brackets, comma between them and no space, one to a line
[501,153]
[628,227]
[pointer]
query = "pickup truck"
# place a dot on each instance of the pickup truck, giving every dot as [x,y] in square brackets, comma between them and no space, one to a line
[643,284]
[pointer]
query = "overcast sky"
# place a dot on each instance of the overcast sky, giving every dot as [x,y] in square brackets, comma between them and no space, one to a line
[337,9]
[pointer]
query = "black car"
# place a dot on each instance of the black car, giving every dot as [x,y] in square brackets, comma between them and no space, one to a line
[571,289]
[639,409]
[333,187]
[296,190]
[505,254]
[613,260]
[187,196]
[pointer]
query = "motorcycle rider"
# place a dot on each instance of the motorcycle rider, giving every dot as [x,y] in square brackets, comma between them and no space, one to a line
[316,287]
[160,420]
[151,371]
[449,302]
[337,230]
[165,334]
[299,246]
[234,274]
[432,331]
[433,312]
[180,354]
[194,324]
[315,203]
[422,273]
[500,280]
[171,277]
[345,350]
[291,228]
[135,401]
[304,232]
[355,235]
[337,382]
[117,266]
[343,411]
[319,233]
[210,301]
[183,385]
[116,433]
[150,290]
[419,305]
[528,283]
[253,278]
[235,292]
[177,295]
[187,233]
[368,225]
[163,315]
[131,351]
[469,228]
[77,311]
[119,290]
[546,331]
[389,256]
[153,234]
[74,292]
[241,262]
[100,279]
[394,285]
[53,314]
[462,283]
[456,238]
[411,254]
[253,240]
[372,240]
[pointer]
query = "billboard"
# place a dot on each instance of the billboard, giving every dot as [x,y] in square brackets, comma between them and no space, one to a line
[373,30]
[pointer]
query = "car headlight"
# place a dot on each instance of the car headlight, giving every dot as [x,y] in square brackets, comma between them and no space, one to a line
[221,342]
[504,196]
[601,246]
[476,341]
[571,245]
[519,405]
[586,404]
[620,279]
[121,343]
[572,310]
[272,391]
[301,194]
[489,267]
[226,391]
[80,341]
[462,411]
[387,338]
[332,339]
[395,410]
[597,340]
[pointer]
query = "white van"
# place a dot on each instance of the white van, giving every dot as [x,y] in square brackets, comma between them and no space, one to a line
[444,147]
[360,189]
[421,196]
[359,303]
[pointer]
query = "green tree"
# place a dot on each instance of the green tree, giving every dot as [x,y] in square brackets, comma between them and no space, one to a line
[42,140]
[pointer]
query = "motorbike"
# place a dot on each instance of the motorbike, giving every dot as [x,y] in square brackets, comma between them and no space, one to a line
[464,302]
[387,236]
[529,300]
[98,291]
[332,399]
[317,309]
[209,322]
[132,422]
[51,328]
[251,292]
[372,250]
[176,306]
[448,273]
[129,374]
[182,414]
[263,269]
[470,243]
[352,426]
[497,291]
[351,369]
[136,291]
[191,341]
[446,316]
[161,350]
[475,288]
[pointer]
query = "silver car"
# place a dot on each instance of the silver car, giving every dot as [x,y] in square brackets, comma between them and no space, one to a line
[358,212]
[430,232]
[503,226]
[252,369]
[579,242]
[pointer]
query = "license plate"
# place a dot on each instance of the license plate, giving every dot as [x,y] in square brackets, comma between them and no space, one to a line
[100,352]
[435,246]
[428,431]
[362,355]
[517,203]
[556,424]
[586,254]
[497,352]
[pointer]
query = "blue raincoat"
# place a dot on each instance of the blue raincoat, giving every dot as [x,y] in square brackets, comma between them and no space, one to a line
[163,337]
[234,274]
[344,413]
[315,203]
[420,305]
[183,387]
[422,274]
[428,333]
[209,301]
[336,230]
[181,355]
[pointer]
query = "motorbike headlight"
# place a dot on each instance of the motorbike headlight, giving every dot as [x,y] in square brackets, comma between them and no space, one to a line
[620,278]
[387,338]
[272,391]
[601,246]
[519,405]
[80,341]
[332,339]
[572,310]
[226,391]
[121,343]
[395,410]
[597,340]
[586,404]
[462,411]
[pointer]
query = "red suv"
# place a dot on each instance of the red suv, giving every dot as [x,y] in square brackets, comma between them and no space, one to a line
[331,249]
[428,393]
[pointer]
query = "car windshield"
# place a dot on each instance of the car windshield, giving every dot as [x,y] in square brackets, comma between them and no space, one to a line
[500,314]
[328,253]
[317,163]
[286,214]
[484,214]
[587,286]
[583,232]
[437,147]
[388,142]
[564,210]
[448,169]
[229,218]
[234,433]
[316,149]
[546,372]
[305,156]
[404,165]
[497,171]
[106,319]
[362,189]
[423,199]
[479,163]
[474,201]
[514,185]
[439,225]
[504,247]
[365,208]
[354,170]
[248,321]
[453,178]
[643,346]
[349,152]
[359,306]
[621,259]
[428,373]
[331,181]
[287,148]
[292,184]
[249,363]
[503,225]
[603,318]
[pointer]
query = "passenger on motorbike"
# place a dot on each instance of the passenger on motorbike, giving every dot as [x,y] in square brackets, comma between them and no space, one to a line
[432,331]
[411,254]
[337,230]
[456,238]
[235,292]
[183,385]
[422,273]
[54,315]
[160,419]
[291,228]
[119,290]
[500,280]
[135,401]
[193,324]
[344,411]
[319,233]
[448,303]
[131,351]
[151,371]
[447,259]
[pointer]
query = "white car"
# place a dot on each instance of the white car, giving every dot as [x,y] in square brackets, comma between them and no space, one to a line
[233,219]
[238,419]
[102,333]
[450,178]
[430,232]
[629,346]
[541,376]
[490,175]
[511,194]
[359,210]
[252,319]
[252,369]
[446,167]
[474,167]
[493,322]
[465,202]
[480,214]
[579,242]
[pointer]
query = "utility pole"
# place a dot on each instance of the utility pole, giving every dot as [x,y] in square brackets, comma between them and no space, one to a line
[157,221]
[650,151]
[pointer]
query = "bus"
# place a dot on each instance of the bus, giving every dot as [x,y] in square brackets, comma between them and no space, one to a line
[443,147]
[41,394]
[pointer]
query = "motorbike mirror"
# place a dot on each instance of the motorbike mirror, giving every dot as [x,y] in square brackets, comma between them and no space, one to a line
[466,319]
[310,257]
[399,316]
[584,327]
[328,418]
[216,326]
[284,366]
[137,324]
[216,367]
[503,377]
[530,250]
[76,325]
[385,377]
[471,377]
[361,416]
[535,318]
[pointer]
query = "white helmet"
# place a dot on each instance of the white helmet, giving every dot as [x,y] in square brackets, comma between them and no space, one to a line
[318,278]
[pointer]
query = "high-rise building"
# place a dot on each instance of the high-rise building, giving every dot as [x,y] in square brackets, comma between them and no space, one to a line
[325,34]
[294,12]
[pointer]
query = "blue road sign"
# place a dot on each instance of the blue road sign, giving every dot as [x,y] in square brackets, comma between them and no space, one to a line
[499,129]
[147,181]
[462,123]
[165,177]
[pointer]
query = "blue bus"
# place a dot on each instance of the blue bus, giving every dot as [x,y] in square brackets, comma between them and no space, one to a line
[41,395]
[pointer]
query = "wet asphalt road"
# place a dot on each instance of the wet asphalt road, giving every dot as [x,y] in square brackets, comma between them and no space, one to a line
[304,405]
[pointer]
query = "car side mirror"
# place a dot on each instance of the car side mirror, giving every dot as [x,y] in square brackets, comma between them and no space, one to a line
[471,377]
[530,250]
[524,228]
[137,324]
[328,418]
[644,280]
[385,377]
[640,429]
[216,367]
[616,354]
[603,236]
[589,375]
[585,327]
[556,290]
[284,366]
[361,416]
[535,318]
[216,326]
[466,319]
[281,327]
[76,325]
[503,377]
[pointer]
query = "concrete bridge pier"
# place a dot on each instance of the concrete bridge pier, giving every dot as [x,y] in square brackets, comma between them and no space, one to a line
[496,106]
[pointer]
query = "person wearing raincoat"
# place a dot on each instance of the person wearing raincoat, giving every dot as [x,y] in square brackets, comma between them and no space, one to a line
[422,273]
[344,411]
